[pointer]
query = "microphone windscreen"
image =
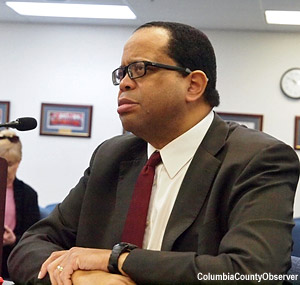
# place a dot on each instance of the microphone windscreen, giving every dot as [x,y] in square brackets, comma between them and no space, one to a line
[26,124]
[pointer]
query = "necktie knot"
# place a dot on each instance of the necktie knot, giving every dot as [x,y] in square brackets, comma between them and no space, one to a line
[154,159]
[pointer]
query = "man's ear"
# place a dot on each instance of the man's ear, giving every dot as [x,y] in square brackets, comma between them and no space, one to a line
[198,83]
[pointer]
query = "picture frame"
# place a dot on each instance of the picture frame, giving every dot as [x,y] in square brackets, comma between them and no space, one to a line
[297,133]
[252,121]
[4,111]
[66,120]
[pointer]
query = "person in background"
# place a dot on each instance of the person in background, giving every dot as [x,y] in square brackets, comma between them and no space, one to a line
[21,207]
[222,194]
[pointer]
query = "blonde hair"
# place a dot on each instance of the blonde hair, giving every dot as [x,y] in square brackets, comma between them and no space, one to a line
[8,148]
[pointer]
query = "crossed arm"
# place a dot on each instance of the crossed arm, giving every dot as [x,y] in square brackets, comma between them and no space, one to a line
[82,266]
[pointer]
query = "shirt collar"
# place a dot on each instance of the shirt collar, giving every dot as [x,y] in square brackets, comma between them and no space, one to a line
[181,150]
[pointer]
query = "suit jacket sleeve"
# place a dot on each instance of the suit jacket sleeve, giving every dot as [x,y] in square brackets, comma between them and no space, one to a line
[54,233]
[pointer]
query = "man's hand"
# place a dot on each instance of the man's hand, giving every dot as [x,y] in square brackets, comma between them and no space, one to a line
[9,238]
[60,265]
[80,277]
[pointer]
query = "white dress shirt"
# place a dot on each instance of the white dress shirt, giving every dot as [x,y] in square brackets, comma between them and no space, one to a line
[176,158]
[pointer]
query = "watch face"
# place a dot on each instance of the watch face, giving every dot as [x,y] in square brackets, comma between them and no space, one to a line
[290,83]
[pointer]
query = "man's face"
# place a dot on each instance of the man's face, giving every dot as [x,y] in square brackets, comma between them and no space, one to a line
[155,102]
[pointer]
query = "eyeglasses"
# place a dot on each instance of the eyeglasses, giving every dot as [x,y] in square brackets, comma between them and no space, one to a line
[139,69]
[13,139]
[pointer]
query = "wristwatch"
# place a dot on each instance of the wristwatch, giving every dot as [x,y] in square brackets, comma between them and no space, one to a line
[117,250]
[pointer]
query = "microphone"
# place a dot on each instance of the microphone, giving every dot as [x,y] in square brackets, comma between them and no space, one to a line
[21,124]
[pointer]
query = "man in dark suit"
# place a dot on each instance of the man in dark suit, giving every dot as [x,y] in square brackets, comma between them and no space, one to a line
[222,198]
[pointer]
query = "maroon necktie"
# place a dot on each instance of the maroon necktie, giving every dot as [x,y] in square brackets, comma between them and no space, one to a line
[137,214]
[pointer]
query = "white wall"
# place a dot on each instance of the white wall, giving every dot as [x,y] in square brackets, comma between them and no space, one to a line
[73,64]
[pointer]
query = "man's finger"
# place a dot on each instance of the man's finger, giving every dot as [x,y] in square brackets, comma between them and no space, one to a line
[44,268]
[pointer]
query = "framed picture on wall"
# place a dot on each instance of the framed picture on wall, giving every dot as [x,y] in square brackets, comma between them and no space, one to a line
[4,112]
[66,120]
[297,133]
[252,121]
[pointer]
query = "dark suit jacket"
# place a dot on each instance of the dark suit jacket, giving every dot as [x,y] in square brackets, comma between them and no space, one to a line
[233,213]
[27,213]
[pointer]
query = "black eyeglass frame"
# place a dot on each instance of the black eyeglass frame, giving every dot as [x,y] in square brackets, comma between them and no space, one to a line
[124,69]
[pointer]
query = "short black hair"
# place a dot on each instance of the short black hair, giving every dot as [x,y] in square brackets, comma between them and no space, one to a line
[191,48]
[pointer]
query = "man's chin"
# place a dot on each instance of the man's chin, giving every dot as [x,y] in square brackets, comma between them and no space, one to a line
[128,124]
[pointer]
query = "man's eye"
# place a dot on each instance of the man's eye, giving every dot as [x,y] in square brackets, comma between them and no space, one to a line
[138,68]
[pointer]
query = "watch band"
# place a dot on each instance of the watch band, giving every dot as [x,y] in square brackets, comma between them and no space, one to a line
[117,250]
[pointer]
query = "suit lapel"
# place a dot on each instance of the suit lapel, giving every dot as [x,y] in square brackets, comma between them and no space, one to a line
[196,183]
[129,171]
